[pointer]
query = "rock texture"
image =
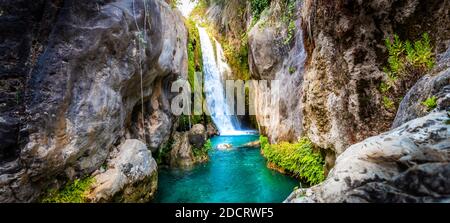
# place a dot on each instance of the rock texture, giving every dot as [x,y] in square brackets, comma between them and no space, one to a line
[131,176]
[273,57]
[181,154]
[341,101]
[197,136]
[407,164]
[83,95]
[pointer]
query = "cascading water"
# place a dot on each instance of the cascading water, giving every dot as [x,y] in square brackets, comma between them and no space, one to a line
[214,87]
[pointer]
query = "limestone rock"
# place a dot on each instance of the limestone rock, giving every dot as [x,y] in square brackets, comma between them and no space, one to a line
[181,154]
[84,95]
[271,58]
[341,101]
[407,164]
[131,176]
[197,136]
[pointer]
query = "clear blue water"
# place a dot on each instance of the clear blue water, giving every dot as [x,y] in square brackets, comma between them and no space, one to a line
[236,176]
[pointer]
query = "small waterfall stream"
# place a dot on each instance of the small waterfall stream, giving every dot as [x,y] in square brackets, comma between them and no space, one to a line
[213,68]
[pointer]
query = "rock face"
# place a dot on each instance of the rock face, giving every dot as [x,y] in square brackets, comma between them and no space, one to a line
[197,136]
[181,154]
[273,56]
[131,176]
[341,100]
[407,164]
[83,95]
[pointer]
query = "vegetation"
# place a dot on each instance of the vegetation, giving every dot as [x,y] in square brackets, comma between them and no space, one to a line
[406,63]
[388,103]
[164,152]
[201,152]
[430,103]
[257,7]
[298,158]
[74,192]
[289,18]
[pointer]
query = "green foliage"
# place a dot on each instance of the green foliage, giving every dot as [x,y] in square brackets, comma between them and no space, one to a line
[257,7]
[384,87]
[298,158]
[289,18]
[201,152]
[174,3]
[406,62]
[74,192]
[430,103]
[292,70]
[388,103]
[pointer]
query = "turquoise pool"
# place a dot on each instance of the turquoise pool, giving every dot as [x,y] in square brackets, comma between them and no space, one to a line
[239,175]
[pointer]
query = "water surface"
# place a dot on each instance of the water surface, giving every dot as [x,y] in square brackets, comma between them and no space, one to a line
[236,176]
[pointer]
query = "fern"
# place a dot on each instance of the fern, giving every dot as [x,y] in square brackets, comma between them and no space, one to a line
[298,158]
[430,103]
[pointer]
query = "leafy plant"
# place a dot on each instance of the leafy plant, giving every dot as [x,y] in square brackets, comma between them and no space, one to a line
[298,158]
[388,103]
[430,103]
[384,87]
[74,192]
[292,70]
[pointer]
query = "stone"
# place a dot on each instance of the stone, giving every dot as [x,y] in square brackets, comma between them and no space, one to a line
[197,136]
[84,96]
[131,176]
[224,146]
[181,154]
[407,164]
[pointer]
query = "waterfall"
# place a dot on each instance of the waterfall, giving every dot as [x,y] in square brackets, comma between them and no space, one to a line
[214,69]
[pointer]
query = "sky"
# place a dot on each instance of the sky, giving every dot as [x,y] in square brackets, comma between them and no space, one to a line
[186,7]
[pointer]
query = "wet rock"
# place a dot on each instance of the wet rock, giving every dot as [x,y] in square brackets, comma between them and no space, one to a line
[197,136]
[255,144]
[224,146]
[131,176]
[211,130]
[181,154]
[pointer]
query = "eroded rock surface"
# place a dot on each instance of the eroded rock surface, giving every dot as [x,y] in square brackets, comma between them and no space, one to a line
[407,164]
[131,175]
[83,96]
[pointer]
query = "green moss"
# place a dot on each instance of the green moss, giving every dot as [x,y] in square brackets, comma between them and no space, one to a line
[298,158]
[195,63]
[73,192]
[430,103]
[164,152]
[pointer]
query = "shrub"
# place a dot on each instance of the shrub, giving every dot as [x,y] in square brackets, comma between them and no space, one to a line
[74,192]
[430,103]
[406,63]
[297,158]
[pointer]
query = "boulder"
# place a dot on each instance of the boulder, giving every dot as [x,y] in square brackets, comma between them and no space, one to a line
[197,136]
[224,146]
[131,176]
[181,154]
[83,96]
[407,164]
